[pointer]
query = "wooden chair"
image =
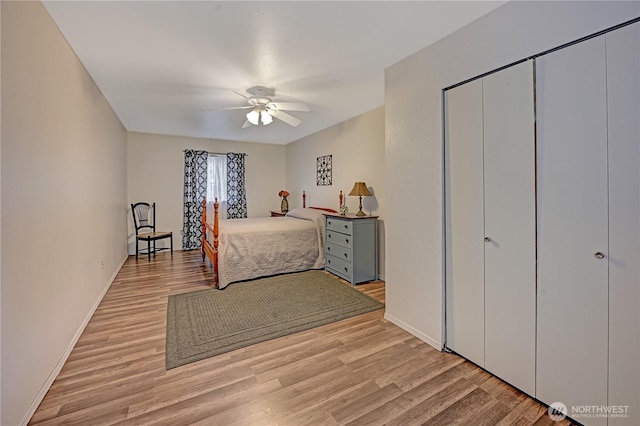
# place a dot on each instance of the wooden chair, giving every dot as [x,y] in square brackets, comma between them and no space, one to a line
[143,222]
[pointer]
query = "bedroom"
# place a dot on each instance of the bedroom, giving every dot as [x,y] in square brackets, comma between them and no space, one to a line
[36,287]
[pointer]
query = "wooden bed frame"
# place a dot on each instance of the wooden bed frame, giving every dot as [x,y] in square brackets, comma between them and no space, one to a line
[207,250]
[211,252]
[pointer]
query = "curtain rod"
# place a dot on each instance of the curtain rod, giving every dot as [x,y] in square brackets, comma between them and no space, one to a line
[214,153]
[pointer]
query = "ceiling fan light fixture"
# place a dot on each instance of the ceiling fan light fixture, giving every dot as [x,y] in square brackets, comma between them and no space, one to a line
[262,110]
[253,116]
[266,118]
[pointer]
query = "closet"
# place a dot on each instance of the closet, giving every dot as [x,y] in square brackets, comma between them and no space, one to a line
[490,244]
[573,217]
[588,154]
[542,226]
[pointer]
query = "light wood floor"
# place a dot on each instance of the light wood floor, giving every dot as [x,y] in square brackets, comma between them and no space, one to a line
[359,371]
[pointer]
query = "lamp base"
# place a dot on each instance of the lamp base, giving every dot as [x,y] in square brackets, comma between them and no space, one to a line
[360,212]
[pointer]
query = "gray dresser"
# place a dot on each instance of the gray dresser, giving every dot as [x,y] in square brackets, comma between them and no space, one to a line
[351,247]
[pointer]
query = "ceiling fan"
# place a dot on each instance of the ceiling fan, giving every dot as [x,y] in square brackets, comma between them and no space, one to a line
[263,109]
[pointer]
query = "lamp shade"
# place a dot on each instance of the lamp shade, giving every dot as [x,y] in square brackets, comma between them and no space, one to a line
[253,116]
[360,188]
[266,118]
[259,114]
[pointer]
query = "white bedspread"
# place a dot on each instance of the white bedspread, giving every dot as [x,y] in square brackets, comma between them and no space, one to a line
[258,247]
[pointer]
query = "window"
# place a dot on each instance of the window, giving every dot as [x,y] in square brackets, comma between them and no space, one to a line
[216,178]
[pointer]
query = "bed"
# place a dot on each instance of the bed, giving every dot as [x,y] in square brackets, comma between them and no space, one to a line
[243,249]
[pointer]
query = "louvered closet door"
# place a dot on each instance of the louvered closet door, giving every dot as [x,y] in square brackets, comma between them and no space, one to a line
[572,304]
[623,91]
[509,195]
[464,221]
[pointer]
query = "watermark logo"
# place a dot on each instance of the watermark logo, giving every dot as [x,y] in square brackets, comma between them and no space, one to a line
[557,411]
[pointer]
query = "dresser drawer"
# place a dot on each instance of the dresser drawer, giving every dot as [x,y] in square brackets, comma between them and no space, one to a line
[339,225]
[339,238]
[339,251]
[340,267]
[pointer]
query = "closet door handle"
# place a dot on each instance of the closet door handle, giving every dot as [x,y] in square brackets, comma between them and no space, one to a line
[487,239]
[599,255]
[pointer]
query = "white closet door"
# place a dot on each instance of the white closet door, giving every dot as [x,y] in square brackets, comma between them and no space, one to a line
[464,222]
[509,198]
[572,310]
[623,90]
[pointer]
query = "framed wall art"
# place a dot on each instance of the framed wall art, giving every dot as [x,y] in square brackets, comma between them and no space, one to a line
[323,167]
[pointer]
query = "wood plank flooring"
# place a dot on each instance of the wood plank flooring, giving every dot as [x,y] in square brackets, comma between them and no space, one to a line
[359,371]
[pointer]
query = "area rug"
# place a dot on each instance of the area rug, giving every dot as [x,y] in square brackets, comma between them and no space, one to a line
[206,323]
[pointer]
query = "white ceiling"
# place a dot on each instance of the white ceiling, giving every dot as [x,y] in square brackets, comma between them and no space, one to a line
[161,64]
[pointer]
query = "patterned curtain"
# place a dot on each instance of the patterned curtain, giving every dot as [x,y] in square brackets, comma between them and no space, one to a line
[195,189]
[236,192]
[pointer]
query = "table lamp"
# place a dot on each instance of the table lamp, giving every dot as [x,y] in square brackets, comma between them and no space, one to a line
[360,189]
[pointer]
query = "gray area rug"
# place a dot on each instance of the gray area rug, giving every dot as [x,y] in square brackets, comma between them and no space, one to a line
[206,323]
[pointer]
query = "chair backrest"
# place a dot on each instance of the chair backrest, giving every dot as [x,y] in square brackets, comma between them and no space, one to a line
[144,216]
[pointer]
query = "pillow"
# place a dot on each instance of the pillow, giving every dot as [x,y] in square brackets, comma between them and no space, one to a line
[309,214]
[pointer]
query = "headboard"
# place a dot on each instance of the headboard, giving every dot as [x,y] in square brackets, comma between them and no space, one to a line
[326,209]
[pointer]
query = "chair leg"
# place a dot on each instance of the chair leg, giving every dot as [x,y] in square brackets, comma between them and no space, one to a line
[171,238]
[136,249]
[149,250]
[154,249]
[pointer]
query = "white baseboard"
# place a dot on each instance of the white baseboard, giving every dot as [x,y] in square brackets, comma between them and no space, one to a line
[52,377]
[406,327]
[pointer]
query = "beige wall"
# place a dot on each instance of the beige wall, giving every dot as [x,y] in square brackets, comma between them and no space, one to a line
[413,149]
[357,149]
[63,203]
[156,174]
[0,224]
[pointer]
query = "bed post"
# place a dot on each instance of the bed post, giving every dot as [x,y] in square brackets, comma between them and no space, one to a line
[203,237]
[207,250]
[215,240]
[304,199]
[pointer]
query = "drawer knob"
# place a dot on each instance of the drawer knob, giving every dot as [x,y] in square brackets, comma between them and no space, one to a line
[329,235]
[345,269]
[345,255]
[329,222]
[346,227]
[599,255]
[328,248]
[328,260]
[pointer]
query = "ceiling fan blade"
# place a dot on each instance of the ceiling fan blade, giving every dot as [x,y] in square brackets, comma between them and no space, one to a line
[227,108]
[289,106]
[287,118]
[241,94]
[246,124]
